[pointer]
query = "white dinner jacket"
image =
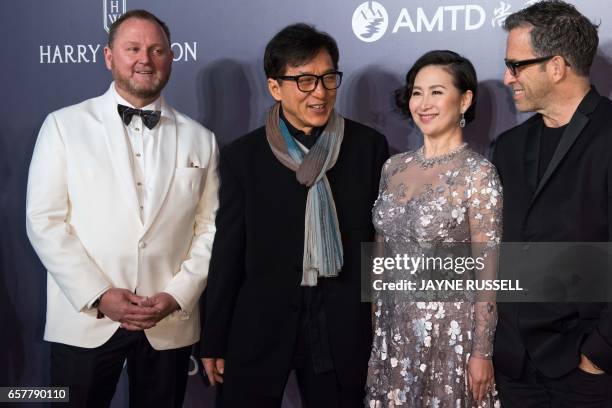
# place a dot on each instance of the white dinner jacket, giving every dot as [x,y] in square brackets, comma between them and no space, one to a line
[83,220]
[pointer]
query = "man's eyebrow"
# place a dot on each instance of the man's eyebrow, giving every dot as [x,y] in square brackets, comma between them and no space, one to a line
[328,71]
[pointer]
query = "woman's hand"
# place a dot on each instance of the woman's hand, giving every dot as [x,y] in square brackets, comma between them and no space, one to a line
[480,376]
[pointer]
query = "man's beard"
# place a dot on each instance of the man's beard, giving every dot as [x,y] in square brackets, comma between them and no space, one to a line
[143,92]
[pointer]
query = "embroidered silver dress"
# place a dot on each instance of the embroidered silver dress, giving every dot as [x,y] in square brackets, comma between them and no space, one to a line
[421,349]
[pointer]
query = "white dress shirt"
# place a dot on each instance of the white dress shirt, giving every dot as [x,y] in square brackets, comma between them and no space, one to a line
[144,147]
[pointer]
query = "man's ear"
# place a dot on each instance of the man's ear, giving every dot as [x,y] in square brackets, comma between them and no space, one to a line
[558,68]
[274,88]
[108,56]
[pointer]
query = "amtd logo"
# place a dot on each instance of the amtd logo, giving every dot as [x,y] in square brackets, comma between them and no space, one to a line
[370,21]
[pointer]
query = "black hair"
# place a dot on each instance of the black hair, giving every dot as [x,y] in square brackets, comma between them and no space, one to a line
[460,68]
[295,45]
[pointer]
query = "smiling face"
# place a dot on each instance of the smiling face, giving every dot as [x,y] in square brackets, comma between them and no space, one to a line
[435,103]
[531,86]
[305,110]
[140,60]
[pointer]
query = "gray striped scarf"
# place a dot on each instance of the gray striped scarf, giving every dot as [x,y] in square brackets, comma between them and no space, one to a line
[323,254]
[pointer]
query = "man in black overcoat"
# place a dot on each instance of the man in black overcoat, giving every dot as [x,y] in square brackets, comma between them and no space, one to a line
[295,203]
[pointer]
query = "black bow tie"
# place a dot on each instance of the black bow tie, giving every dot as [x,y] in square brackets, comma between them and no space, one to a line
[149,117]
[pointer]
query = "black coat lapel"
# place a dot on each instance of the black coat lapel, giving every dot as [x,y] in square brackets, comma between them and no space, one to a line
[571,133]
[532,154]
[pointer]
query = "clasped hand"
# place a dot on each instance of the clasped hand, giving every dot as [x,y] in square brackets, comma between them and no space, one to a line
[136,312]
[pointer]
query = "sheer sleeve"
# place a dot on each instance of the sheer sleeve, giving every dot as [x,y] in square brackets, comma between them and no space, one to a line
[378,249]
[382,187]
[484,212]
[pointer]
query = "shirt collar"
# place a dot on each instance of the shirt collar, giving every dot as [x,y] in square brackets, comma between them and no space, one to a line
[303,138]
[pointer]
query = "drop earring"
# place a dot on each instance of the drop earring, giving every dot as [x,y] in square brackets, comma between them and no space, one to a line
[462,121]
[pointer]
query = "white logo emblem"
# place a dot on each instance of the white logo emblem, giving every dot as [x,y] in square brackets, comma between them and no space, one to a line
[370,21]
[113,9]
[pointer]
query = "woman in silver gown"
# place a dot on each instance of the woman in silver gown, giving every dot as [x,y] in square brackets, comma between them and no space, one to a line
[435,354]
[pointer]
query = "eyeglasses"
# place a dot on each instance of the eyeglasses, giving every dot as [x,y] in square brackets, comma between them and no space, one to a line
[309,82]
[513,66]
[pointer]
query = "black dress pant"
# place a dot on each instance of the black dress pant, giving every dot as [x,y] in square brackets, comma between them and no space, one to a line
[156,378]
[317,390]
[577,389]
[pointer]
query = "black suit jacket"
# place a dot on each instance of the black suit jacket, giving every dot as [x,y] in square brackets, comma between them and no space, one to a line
[571,203]
[254,295]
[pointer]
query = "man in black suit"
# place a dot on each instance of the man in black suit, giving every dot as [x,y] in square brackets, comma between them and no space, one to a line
[556,169]
[295,204]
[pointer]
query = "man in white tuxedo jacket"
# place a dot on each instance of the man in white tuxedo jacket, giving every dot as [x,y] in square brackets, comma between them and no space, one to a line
[121,201]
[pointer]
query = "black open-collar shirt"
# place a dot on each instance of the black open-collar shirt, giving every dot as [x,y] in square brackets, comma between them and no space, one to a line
[312,335]
[300,136]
